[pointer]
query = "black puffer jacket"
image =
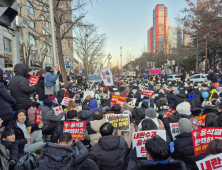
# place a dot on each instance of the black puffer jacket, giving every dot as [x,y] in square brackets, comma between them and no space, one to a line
[20,89]
[85,115]
[19,135]
[109,152]
[196,98]
[138,114]
[183,150]
[40,88]
[179,98]
[62,157]
[5,100]
[60,96]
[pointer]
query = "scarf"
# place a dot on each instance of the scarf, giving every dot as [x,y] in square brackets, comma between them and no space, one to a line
[23,127]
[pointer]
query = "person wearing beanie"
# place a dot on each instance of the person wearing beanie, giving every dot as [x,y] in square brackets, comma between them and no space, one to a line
[184,109]
[183,145]
[49,118]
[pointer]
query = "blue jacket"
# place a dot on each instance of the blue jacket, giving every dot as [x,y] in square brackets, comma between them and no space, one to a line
[50,79]
[94,105]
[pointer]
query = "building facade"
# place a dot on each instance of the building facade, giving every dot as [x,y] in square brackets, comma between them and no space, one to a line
[150,48]
[174,40]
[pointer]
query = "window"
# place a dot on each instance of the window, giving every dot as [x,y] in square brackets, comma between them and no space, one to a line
[30,8]
[169,76]
[49,49]
[31,23]
[47,33]
[195,76]
[43,31]
[47,24]
[32,40]
[43,19]
[45,46]
[7,45]
[34,56]
[20,10]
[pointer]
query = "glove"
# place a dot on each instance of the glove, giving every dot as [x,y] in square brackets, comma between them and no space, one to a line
[58,72]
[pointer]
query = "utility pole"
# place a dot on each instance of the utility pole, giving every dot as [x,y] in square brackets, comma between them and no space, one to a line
[53,41]
[197,57]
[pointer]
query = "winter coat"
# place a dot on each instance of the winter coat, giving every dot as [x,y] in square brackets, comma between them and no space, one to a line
[48,116]
[60,96]
[19,135]
[179,98]
[62,157]
[20,89]
[128,106]
[128,136]
[138,114]
[13,149]
[85,115]
[5,100]
[94,131]
[144,164]
[138,97]
[50,79]
[183,150]
[196,98]
[110,151]
[32,114]
[94,105]
[89,164]
[40,89]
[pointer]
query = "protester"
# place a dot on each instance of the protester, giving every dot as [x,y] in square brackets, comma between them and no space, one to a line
[49,80]
[138,114]
[94,105]
[72,106]
[213,148]
[128,105]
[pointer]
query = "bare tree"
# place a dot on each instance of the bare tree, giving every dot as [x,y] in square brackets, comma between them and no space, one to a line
[26,52]
[89,45]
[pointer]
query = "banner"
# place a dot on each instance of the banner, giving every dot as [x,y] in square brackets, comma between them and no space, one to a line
[119,121]
[57,67]
[65,101]
[38,117]
[104,115]
[140,138]
[174,130]
[33,80]
[201,138]
[170,112]
[106,76]
[118,100]
[199,120]
[210,163]
[76,128]
[147,93]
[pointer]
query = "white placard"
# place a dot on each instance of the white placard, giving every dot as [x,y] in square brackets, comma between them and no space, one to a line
[139,140]
[214,162]
[86,93]
[107,76]
[65,101]
[174,130]
[58,110]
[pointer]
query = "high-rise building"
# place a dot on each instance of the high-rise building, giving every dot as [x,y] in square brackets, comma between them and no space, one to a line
[160,24]
[186,36]
[150,41]
[174,40]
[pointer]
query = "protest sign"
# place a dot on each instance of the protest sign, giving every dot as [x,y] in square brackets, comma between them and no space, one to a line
[118,100]
[119,121]
[38,117]
[200,120]
[76,128]
[201,138]
[58,110]
[106,76]
[33,80]
[210,162]
[134,101]
[86,93]
[57,67]
[147,93]
[104,115]
[174,130]
[65,101]
[170,112]
[140,138]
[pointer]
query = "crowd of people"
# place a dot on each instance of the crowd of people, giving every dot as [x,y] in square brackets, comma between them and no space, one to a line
[23,140]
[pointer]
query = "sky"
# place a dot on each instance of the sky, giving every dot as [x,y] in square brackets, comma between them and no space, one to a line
[126,22]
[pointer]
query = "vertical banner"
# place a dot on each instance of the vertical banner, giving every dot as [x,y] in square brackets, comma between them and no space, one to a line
[76,128]
[174,130]
[140,138]
[106,76]
[119,121]
[210,162]
[38,117]
[33,80]
[201,138]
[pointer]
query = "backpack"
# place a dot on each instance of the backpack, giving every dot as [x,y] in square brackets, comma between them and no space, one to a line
[27,162]
[4,158]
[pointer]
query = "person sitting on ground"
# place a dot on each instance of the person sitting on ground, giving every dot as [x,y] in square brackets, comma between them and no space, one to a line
[72,106]
[213,148]
[94,105]
[157,154]
[111,150]
[128,105]
[8,140]
[138,114]
[62,155]
[72,115]
[117,109]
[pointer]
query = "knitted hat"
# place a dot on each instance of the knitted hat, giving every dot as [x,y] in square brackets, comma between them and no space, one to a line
[51,97]
[151,113]
[48,103]
[183,108]
[185,125]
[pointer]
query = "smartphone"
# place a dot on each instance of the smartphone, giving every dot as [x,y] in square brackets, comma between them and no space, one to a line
[195,121]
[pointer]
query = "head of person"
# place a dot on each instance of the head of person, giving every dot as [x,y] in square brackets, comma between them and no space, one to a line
[214,147]
[48,103]
[212,120]
[148,124]
[65,139]
[185,125]
[72,114]
[97,114]
[219,108]
[8,135]
[157,149]
[116,107]
[20,116]
[184,108]
[48,69]
[128,100]
[71,105]
[88,97]
[106,129]
[144,105]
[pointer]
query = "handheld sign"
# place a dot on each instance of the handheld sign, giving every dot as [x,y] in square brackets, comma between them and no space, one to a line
[200,120]
[174,130]
[118,100]
[147,93]
[210,162]
[65,101]
[38,118]
[104,115]
[76,128]
[170,112]
[119,121]
[33,80]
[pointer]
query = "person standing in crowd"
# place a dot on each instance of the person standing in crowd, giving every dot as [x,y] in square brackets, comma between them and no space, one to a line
[49,81]
[40,90]
[20,88]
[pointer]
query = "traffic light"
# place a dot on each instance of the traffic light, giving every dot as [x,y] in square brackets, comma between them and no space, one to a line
[7,14]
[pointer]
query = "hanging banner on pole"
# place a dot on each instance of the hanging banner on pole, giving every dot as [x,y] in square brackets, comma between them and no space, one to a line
[107,77]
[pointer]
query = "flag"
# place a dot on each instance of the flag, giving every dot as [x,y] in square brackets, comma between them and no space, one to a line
[137,67]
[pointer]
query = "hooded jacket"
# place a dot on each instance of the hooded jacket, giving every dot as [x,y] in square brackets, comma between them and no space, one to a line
[94,105]
[138,114]
[20,89]
[94,131]
[5,100]
[85,115]
[179,98]
[89,164]
[60,96]
[62,157]
[128,106]
[110,152]
[40,90]
[196,98]
[50,79]
[48,116]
